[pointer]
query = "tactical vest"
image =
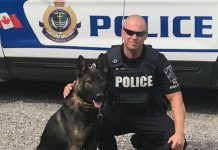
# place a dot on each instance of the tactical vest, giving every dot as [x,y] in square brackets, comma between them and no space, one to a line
[132,85]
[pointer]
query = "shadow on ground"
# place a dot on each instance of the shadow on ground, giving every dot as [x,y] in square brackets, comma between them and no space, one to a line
[31,90]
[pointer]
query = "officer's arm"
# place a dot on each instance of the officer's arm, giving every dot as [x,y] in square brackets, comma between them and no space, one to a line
[172,91]
[178,112]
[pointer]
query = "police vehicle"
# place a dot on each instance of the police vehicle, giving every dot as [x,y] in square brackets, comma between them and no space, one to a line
[41,39]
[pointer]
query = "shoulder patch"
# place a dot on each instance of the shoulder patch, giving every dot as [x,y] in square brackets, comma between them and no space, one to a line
[170,74]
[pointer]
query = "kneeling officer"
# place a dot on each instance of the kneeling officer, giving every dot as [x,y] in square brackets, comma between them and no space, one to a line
[140,82]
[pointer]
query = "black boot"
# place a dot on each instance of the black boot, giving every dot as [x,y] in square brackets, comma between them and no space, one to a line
[165,146]
[140,143]
[168,146]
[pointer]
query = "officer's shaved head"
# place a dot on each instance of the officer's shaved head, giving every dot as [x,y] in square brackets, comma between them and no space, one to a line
[135,20]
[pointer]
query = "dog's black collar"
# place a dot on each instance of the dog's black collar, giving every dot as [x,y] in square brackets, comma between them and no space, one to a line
[88,105]
[85,104]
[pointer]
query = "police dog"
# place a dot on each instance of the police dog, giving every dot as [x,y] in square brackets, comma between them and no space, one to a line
[75,126]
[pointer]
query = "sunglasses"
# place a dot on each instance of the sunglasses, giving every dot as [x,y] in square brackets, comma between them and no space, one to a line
[131,33]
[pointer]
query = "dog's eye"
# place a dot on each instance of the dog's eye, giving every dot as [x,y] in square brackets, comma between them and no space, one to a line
[88,84]
[88,80]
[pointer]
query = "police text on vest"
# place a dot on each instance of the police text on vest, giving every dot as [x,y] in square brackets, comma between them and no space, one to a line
[142,81]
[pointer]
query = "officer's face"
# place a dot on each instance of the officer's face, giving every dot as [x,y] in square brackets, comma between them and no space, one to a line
[134,34]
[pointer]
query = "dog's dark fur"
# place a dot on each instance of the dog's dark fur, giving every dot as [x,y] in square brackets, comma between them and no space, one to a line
[75,126]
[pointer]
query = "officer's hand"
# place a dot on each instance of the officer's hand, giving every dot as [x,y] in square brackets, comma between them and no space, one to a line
[178,141]
[68,88]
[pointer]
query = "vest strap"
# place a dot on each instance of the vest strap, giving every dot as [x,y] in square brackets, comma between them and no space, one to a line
[151,56]
[115,57]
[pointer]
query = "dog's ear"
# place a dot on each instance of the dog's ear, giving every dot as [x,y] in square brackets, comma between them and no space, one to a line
[102,63]
[81,66]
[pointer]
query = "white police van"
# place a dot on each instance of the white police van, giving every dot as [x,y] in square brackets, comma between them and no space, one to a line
[41,39]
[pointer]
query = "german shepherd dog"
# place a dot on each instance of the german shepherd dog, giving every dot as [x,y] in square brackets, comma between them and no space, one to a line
[76,125]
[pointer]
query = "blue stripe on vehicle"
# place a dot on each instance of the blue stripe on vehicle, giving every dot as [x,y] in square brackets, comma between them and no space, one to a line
[190,50]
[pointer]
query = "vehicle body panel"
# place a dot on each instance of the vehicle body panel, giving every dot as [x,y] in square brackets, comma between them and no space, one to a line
[41,39]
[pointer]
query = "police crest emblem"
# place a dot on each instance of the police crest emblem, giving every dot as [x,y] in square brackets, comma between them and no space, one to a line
[59,22]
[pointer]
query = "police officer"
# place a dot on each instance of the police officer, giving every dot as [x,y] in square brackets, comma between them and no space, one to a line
[140,82]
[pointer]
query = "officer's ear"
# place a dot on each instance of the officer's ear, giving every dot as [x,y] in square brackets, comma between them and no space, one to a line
[102,64]
[81,66]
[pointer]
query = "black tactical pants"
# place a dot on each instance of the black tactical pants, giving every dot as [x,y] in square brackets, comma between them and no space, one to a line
[151,132]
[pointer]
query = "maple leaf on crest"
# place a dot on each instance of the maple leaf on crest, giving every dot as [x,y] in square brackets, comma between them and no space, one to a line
[5,20]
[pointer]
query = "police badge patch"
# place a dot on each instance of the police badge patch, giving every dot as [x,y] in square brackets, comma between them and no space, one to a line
[170,74]
[59,22]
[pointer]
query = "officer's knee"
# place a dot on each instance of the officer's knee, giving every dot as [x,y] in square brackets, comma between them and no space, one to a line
[165,147]
[134,141]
